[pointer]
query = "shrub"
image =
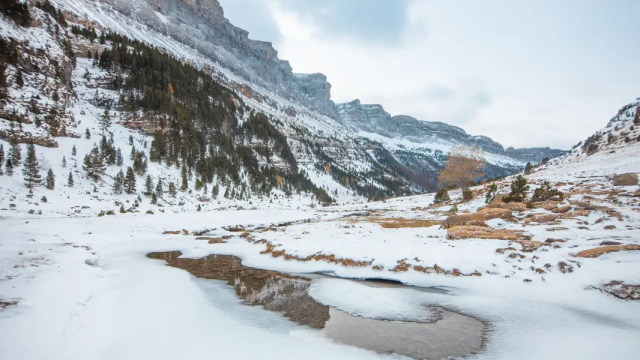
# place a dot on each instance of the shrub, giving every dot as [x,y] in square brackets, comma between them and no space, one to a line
[593,148]
[454,209]
[519,190]
[545,192]
[491,194]
[441,196]
[467,195]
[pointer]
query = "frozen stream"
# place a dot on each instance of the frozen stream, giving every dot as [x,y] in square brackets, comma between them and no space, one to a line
[408,326]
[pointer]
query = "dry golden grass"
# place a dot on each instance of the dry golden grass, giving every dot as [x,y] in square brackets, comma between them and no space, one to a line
[393,223]
[482,232]
[595,252]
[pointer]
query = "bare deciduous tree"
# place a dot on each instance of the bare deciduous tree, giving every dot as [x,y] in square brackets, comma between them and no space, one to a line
[464,165]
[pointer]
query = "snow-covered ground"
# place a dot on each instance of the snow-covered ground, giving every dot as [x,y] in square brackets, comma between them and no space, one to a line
[77,286]
[85,289]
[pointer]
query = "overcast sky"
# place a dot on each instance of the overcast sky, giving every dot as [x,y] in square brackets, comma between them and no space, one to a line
[525,73]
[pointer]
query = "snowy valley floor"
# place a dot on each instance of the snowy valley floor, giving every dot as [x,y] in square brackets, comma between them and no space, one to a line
[84,288]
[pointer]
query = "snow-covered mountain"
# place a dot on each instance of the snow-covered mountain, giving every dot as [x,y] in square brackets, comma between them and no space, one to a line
[60,83]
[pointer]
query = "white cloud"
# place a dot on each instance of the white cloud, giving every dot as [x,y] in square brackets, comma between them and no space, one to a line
[525,74]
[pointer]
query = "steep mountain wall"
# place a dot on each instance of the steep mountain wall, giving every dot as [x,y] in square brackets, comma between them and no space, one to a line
[374,119]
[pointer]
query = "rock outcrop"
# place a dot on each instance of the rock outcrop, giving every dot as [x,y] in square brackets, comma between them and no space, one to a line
[374,119]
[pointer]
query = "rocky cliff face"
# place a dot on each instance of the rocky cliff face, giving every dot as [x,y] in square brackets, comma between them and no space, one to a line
[201,25]
[374,119]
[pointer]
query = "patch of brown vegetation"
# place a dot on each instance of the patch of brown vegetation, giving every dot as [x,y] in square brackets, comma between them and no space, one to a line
[484,232]
[608,243]
[551,241]
[435,269]
[398,223]
[317,257]
[595,252]
[503,250]
[530,246]
[559,228]
[238,228]
[610,227]
[621,290]
[6,304]
[377,267]
[171,232]
[402,266]
[392,223]
[565,268]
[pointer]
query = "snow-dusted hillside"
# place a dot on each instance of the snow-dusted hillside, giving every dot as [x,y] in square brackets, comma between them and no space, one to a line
[301,103]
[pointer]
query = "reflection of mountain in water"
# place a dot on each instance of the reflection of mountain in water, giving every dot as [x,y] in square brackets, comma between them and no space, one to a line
[452,334]
[274,290]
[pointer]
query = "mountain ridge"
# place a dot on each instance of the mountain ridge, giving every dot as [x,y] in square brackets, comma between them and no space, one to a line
[263,66]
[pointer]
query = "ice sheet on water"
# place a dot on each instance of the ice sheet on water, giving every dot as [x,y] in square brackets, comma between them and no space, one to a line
[222,297]
[389,303]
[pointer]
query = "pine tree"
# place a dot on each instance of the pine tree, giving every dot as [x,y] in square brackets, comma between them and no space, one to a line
[73,151]
[119,160]
[528,169]
[19,78]
[87,134]
[118,182]
[50,181]
[199,207]
[31,169]
[9,167]
[16,154]
[148,185]
[93,164]
[1,159]
[226,193]
[519,190]
[105,121]
[130,181]
[131,140]
[215,191]
[154,199]
[159,189]
[185,183]
[70,180]
[172,189]
[64,161]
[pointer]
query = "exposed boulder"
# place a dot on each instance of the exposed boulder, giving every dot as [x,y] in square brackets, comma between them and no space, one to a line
[497,200]
[561,210]
[628,179]
[464,219]
[496,213]
[517,206]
